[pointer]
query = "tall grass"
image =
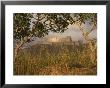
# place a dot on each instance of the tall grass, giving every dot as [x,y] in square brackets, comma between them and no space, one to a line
[56,59]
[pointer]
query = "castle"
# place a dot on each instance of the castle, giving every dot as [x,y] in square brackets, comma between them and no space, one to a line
[60,39]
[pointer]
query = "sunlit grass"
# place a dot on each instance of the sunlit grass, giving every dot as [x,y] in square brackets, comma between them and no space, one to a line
[55,59]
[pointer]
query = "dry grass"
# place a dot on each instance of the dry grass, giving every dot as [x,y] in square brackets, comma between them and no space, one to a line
[56,59]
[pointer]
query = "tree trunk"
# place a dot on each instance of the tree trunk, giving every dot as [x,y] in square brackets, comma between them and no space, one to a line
[91,47]
[18,46]
[16,51]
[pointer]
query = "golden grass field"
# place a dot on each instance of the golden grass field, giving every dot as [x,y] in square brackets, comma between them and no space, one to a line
[56,59]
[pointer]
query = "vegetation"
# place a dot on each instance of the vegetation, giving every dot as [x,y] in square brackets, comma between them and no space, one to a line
[43,23]
[55,59]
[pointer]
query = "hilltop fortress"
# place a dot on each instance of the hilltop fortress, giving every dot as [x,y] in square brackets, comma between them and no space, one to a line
[66,39]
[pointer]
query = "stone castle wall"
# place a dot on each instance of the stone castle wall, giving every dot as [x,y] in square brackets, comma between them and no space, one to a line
[58,39]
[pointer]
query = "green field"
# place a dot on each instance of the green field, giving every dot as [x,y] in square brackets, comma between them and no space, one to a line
[56,59]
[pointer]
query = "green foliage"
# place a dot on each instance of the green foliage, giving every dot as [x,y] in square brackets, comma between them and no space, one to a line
[21,25]
[82,17]
[28,25]
[46,22]
[43,23]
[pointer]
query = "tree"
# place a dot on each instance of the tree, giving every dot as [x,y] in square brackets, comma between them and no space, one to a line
[28,25]
[92,18]
[42,24]
[21,29]
[81,18]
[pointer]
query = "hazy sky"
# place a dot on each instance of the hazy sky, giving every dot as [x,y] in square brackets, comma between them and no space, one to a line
[73,31]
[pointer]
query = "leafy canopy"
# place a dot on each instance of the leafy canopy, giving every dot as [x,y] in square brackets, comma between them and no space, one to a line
[28,25]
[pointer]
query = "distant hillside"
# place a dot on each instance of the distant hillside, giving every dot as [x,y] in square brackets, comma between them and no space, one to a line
[52,40]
